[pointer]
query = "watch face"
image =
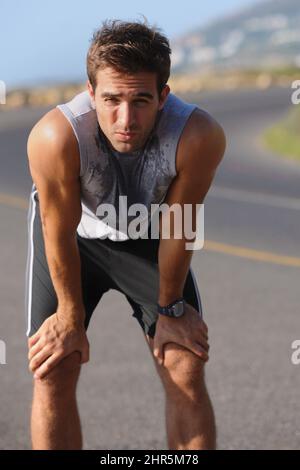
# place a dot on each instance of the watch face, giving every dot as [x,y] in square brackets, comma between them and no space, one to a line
[178,309]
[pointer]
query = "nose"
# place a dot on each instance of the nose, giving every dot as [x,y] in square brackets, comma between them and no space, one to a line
[126,117]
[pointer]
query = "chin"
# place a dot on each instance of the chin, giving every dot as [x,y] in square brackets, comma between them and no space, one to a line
[125,146]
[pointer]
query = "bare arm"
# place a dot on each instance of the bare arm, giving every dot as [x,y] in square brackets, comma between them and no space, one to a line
[54,165]
[55,172]
[200,151]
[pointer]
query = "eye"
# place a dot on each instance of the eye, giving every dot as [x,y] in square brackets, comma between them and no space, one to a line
[141,102]
[111,100]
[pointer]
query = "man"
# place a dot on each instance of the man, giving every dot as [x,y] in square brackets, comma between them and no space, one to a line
[127,135]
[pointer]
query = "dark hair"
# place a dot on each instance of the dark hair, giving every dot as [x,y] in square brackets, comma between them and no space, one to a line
[129,47]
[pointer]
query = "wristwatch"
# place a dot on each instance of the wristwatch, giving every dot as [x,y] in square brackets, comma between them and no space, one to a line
[175,309]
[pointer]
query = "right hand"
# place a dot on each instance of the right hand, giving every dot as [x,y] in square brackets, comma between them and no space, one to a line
[57,337]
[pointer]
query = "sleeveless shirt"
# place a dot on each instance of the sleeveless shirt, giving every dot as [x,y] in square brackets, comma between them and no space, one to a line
[117,179]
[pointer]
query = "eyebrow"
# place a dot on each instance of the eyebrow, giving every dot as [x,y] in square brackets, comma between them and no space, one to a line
[142,94]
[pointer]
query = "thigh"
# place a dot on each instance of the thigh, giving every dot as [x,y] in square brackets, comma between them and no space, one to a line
[134,268]
[40,297]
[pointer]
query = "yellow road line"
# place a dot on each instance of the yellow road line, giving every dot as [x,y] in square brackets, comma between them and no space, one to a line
[13,201]
[234,250]
[256,255]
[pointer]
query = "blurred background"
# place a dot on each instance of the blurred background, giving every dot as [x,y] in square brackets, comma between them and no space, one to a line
[238,60]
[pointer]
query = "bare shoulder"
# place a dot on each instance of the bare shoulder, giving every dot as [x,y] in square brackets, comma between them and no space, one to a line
[202,142]
[52,144]
[53,127]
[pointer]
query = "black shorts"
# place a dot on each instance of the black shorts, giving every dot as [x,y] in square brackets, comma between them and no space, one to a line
[127,266]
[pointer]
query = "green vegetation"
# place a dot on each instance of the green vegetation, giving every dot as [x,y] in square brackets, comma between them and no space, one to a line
[284,137]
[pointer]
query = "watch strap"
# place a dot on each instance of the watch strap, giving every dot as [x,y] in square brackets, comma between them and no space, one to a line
[166,309]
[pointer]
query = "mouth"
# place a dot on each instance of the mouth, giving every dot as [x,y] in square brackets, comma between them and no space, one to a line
[126,135]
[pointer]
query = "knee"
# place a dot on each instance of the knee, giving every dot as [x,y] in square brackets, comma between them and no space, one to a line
[63,376]
[183,372]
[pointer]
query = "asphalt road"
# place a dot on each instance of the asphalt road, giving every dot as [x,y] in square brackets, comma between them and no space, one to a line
[248,276]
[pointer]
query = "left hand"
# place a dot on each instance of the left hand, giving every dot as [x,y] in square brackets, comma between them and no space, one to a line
[189,331]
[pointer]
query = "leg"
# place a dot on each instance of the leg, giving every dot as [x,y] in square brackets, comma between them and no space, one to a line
[55,423]
[190,421]
[189,414]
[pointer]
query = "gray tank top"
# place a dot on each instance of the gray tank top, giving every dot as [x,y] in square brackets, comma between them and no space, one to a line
[123,179]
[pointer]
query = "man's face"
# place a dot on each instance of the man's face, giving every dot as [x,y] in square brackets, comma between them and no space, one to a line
[127,106]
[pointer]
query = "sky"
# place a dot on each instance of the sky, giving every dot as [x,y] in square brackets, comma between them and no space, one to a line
[44,42]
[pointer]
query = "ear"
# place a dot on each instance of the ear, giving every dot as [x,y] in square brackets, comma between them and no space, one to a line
[163,96]
[91,91]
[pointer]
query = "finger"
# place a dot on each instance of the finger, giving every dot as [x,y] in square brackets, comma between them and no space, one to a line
[203,343]
[203,331]
[34,350]
[48,365]
[200,351]
[39,358]
[33,339]
[158,353]
[162,355]
[85,356]
[204,325]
